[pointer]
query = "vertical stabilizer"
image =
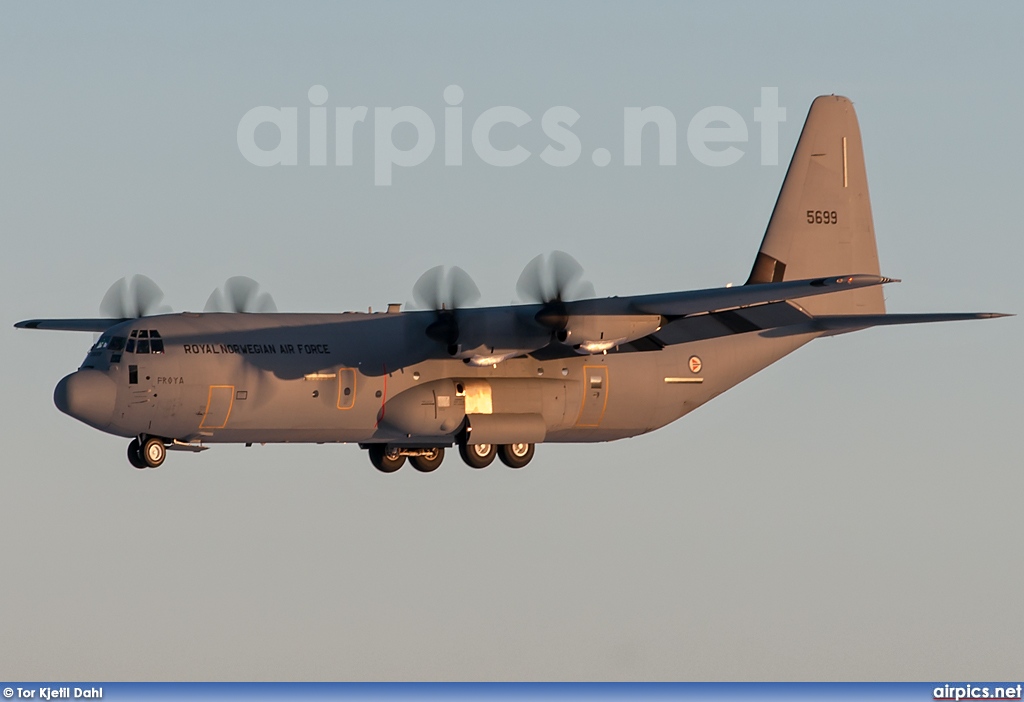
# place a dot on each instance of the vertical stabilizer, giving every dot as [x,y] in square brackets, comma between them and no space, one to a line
[822,224]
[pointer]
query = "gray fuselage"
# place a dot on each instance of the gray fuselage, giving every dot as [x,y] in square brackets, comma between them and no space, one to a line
[371,378]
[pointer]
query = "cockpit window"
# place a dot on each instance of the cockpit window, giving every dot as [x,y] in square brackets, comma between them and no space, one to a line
[143,341]
[117,343]
[101,344]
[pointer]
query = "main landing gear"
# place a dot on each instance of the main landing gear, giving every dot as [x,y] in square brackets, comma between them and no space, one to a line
[147,454]
[515,455]
[388,459]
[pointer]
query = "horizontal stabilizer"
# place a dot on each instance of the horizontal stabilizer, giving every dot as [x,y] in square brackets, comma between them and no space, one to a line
[83,325]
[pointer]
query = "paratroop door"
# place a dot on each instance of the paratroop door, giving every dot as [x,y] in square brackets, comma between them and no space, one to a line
[218,407]
[595,396]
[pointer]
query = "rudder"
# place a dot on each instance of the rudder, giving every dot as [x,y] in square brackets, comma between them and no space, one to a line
[822,224]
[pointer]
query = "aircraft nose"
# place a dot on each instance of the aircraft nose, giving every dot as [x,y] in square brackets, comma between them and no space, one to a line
[88,396]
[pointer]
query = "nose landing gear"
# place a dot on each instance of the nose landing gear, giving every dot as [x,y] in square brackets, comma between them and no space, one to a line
[148,454]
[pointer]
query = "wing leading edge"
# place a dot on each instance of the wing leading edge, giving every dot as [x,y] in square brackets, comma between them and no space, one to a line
[82,325]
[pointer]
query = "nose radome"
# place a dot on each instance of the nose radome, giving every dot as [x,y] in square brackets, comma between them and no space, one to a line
[88,396]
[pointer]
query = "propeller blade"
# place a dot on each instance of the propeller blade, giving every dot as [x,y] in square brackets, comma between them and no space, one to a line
[146,295]
[445,292]
[462,291]
[427,290]
[439,289]
[114,303]
[240,294]
[565,271]
[553,279]
[215,303]
[530,286]
[584,290]
[129,299]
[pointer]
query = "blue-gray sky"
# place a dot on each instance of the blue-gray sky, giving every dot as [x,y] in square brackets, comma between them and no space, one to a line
[853,512]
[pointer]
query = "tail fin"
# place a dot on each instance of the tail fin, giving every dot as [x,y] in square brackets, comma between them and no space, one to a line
[821,225]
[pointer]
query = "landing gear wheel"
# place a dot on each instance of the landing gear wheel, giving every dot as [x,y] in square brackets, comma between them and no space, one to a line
[429,461]
[515,455]
[478,455]
[135,454]
[153,452]
[385,459]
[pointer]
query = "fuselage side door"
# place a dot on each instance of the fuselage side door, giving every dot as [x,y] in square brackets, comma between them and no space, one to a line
[219,401]
[595,396]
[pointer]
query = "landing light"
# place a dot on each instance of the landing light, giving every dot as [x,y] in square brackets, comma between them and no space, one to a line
[600,346]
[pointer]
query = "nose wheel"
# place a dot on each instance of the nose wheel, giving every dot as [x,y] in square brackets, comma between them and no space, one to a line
[148,454]
[135,454]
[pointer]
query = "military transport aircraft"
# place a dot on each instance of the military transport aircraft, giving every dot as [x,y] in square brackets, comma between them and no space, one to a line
[565,366]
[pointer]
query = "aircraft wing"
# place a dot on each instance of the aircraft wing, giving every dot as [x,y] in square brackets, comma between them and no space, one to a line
[780,319]
[681,304]
[841,323]
[84,325]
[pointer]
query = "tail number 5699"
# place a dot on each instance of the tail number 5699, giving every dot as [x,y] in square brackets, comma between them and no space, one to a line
[822,217]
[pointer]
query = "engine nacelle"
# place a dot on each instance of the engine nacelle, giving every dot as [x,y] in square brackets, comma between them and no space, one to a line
[596,334]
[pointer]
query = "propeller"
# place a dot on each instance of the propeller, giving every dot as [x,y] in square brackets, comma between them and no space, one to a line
[240,294]
[556,278]
[132,298]
[439,289]
[445,291]
[552,281]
